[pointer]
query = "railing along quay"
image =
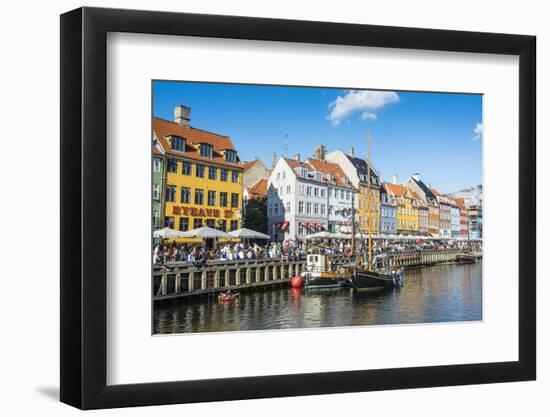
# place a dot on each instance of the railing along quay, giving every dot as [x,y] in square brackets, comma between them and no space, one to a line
[412,258]
[186,280]
[183,279]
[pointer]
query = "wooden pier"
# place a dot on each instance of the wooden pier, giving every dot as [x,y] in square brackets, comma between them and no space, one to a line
[185,280]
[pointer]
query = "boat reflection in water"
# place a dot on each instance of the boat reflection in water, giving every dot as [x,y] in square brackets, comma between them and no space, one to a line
[440,293]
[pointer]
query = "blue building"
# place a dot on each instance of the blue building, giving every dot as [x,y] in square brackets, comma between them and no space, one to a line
[388,212]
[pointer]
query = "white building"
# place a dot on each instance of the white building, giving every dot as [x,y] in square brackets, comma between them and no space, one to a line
[297,200]
[341,195]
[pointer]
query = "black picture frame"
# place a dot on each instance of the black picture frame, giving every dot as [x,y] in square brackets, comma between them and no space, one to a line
[84,207]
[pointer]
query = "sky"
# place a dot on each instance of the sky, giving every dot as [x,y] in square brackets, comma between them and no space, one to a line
[437,135]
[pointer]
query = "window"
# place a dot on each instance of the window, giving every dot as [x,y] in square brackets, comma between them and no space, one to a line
[301,207]
[308,192]
[308,208]
[199,196]
[284,175]
[222,225]
[322,192]
[156,219]
[186,168]
[211,223]
[234,200]
[230,156]
[211,198]
[304,173]
[234,225]
[348,195]
[185,195]
[270,210]
[156,192]
[172,165]
[156,165]
[199,171]
[287,188]
[336,193]
[212,173]
[278,176]
[316,208]
[170,193]
[178,144]
[330,210]
[234,176]
[323,209]
[223,199]
[223,176]
[205,150]
[184,224]
[197,223]
[316,192]
[169,222]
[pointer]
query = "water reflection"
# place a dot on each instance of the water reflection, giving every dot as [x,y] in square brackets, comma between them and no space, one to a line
[440,293]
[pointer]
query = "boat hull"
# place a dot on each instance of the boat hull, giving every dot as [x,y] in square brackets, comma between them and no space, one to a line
[375,281]
[466,259]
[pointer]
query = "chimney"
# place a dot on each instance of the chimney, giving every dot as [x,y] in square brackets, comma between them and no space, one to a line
[352,151]
[320,152]
[297,157]
[416,176]
[182,115]
[395,177]
[273,160]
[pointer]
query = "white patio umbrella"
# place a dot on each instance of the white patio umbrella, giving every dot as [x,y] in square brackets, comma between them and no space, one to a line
[207,233]
[245,233]
[168,233]
[321,235]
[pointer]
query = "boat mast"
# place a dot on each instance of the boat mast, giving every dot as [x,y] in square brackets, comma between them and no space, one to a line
[369,204]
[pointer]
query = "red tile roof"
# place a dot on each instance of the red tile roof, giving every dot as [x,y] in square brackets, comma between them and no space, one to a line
[247,165]
[339,178]
[259,187]
[193,136]
[435,192]
[397,189]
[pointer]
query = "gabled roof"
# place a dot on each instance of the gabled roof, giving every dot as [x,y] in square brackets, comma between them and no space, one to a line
[259,187]
[248,164]
[425,189]
[326,168]
[361,166]
[163,129]
[398,190]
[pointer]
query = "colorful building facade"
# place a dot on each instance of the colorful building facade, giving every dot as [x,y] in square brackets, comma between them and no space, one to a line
[388,212]
[368,196]
[407,209]
[203,183]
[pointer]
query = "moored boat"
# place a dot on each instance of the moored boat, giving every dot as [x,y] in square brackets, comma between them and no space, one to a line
[227,297]
[321,273]
[364,279]
[466,259]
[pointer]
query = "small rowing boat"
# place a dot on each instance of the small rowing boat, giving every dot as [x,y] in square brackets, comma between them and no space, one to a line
[227,297]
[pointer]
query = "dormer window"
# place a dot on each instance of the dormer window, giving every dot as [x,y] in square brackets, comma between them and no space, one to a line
[304,173]
[205,150]
[330,177]
[231,156]
[318,176]
[177,143]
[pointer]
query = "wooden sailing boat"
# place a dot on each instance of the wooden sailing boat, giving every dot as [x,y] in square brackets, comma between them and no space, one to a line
[367,278]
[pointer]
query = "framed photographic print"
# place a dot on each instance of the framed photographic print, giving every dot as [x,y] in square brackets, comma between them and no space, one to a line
[257,208]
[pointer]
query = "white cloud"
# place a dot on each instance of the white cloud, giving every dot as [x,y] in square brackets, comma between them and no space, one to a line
[364,100]
[478,131]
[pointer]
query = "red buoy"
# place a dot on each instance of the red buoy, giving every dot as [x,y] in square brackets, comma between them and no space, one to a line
[296,282]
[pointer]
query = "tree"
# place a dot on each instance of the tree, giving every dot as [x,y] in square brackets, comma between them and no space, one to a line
[255,216]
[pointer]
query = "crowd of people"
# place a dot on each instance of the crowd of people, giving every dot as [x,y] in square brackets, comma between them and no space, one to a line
[293,249]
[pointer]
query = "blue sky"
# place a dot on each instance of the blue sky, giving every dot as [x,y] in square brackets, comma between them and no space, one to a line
[438,135]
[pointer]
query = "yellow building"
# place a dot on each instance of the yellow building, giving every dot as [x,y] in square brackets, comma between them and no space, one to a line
[369,207]
[407,209]
[203,181]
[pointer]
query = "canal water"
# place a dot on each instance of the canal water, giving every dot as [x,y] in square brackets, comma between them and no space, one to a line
[440,293]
